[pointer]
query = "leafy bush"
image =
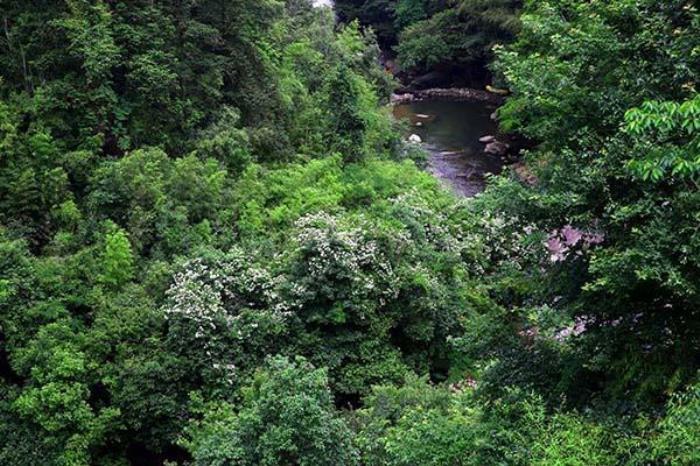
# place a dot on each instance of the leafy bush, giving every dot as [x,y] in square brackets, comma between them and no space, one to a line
[286,417]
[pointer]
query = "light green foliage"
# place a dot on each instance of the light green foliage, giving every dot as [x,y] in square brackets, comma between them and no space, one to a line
[286,417]
[57,398]
[423,424]
[657,122]
[414,424]
[573,441]
[679,432]
[117,258]
[160,201]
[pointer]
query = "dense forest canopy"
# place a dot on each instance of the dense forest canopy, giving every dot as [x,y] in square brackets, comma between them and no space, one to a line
[455,36]
[217,249]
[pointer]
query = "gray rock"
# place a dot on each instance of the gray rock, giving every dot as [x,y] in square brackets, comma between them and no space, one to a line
[415,139]
[402,98]
[487,139]
[497,148]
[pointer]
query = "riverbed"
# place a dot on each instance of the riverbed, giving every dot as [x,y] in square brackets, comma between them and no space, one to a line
[450,131]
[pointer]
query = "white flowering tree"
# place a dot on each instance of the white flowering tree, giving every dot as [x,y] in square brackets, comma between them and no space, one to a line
[223,312]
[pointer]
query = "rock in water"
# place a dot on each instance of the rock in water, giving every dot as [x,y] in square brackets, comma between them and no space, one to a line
[495,90]
[402,98]
[415,139]
[497,148]
[487,139]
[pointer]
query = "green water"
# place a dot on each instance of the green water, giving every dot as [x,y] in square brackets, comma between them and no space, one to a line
[450,132]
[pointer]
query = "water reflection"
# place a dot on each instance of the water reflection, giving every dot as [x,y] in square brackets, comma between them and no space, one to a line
[450,132]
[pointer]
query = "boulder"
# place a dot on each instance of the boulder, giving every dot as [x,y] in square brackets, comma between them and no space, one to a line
[497,148]
[414,139]
[487,139]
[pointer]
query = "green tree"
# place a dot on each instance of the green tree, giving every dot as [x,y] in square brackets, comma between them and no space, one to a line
[409,12]
[286,418]
[117,258]
[614,115]
[345,119]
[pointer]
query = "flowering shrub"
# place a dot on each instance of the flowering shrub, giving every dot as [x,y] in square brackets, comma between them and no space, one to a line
[570,240]
[341,264]
[224,310]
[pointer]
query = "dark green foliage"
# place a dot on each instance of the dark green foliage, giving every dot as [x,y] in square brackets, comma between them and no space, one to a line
[461,35]
[581,75]
[286,417]
[210,253]
[427,34]
[379,14]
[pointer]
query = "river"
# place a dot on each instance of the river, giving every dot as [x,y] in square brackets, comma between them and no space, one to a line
[450,131]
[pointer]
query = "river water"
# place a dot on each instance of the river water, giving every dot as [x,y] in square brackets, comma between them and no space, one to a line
[450,132]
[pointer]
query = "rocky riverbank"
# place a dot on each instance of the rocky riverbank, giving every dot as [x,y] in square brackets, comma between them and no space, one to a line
[455,94]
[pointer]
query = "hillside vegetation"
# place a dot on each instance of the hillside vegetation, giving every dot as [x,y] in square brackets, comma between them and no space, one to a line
[216,249]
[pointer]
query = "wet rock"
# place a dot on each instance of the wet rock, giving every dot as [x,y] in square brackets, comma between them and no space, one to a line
[423,116]
[497,148]
[405,95]
[457,94]
[495,90]
[402,98]
[419,123]
[414,139]
[487,139]
[494,116]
